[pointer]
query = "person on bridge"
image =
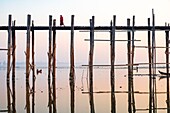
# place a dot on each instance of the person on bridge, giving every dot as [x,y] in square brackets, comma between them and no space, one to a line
[61,21]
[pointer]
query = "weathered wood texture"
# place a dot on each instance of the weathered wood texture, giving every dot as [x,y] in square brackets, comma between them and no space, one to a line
[13,69]
[54,69]
[72,71]
[28,64]
[112,72]
[91,52]
[49,65]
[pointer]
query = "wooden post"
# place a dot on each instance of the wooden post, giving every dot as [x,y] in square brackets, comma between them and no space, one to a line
[13,69]
[72,72]
[112,72]
[154,63]
[150,69]
[33,71]
[49,64]
[167,70]
[91,64]
[129,68]
[132,62]
[54,68]
[9,62]
[27,64]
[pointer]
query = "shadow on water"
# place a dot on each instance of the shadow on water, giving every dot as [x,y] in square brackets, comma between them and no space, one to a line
[72,90]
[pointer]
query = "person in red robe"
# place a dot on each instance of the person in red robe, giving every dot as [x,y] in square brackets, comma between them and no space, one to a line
[61,20]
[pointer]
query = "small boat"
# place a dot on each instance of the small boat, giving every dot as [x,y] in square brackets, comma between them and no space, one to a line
[163,73]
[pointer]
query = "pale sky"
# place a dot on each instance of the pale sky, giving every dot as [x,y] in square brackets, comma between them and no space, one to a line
[103,10]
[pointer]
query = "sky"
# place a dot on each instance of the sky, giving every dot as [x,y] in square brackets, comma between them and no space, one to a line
[103,10]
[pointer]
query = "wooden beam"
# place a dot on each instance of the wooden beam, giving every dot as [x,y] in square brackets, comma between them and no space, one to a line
[110,40]
[102,28]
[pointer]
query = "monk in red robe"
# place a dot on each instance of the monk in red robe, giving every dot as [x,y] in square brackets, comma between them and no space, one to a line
[61,20]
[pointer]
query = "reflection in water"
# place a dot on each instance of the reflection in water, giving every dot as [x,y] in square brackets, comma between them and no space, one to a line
[72,84]
[49,96]
[8,97]
[81,105]
[27,107]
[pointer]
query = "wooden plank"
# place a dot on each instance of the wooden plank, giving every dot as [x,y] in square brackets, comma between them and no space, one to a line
[109,40]
[150,47]
[3,49]
[102,28]
[121,92]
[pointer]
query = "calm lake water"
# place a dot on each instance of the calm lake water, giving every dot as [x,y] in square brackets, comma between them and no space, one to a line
[102,101]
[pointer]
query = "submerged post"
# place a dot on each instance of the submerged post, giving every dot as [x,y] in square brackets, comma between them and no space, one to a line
[13,68]
[132,62]
[129,68]
[72,72]
[33,70]
[27,64]
[91,64]
[167,70]
[112,72]
[150,69]
[54,68]
[9,62]
[154,64]
[49,64]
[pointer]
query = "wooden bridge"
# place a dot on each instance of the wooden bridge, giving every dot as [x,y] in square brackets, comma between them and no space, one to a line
[112,28]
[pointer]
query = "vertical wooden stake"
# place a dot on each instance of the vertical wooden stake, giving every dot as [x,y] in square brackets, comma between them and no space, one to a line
[13,68]
[112,72]
[54,67]
[129,68]
[150,68]
[9,61]
[33,70]
[167,70]
[27,64]
[132,62]
[154,63]
[91,64]
[49,64]
[72,73]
